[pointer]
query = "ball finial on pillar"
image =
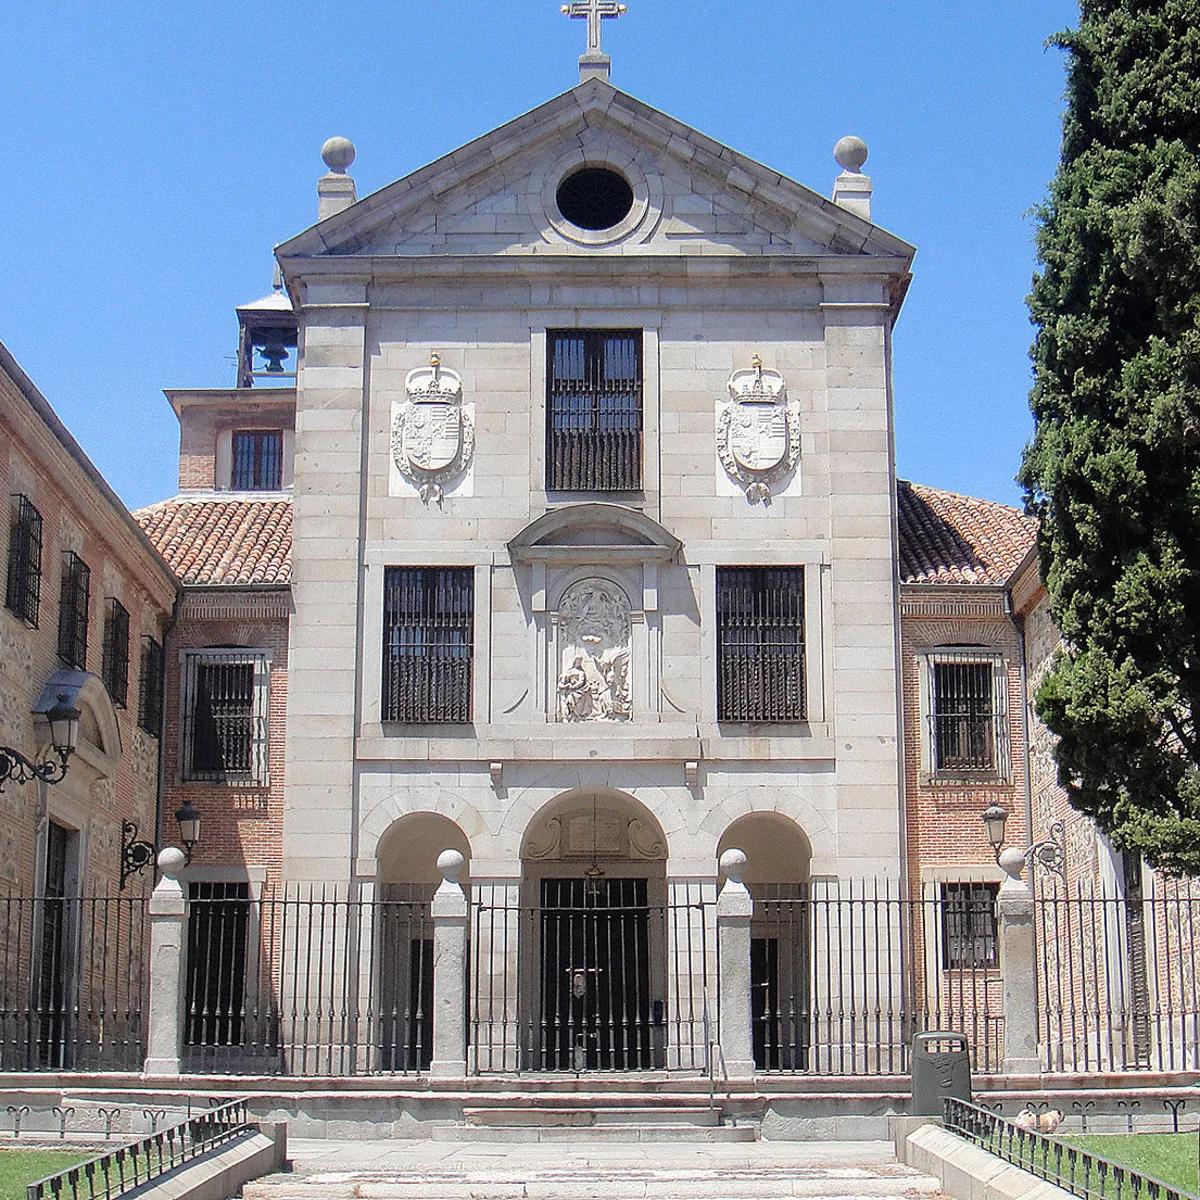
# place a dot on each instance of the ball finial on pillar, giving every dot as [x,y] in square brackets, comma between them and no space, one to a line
[851,154]
[451,863]
[171,862]
[338,153]
[733,865]
[1012,862]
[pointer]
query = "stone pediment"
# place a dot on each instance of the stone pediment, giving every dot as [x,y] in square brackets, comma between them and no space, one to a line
[591,533]
[495,196]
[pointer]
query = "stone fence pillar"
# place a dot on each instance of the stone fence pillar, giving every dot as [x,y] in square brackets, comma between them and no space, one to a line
[168,938]
[449,971]
[735,908]
[1018,965]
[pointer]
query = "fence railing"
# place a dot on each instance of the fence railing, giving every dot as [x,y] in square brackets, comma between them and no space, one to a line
[74,983]
[119,1171]
[1080,1172]
[1119,977]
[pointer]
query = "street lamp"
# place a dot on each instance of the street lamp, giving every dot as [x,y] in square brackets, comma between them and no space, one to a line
[1050,852]
[64,732]
[188,819]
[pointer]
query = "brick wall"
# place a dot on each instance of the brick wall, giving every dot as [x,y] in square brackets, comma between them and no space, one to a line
[202,425]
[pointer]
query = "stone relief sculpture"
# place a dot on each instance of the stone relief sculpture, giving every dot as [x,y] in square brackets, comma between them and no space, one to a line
[758,431]
[593,635]
[433,436]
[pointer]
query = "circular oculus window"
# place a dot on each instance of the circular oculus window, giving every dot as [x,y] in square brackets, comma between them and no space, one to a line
[595,198]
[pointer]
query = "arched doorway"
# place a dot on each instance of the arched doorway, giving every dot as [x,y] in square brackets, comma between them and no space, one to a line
[778,855]
[406,880]
[594,954]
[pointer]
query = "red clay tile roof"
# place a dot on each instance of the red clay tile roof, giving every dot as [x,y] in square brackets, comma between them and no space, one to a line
[223,543]
[948,538]
[944,538]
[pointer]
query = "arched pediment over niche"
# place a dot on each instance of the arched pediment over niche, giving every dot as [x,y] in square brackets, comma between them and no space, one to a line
[99,743]
[594,532]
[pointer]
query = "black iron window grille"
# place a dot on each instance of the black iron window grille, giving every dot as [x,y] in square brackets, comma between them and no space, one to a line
[150,686]
[225,716]
[115,669]
[73,611]
[218,927]
[760,644]
[967,707]
[24,588]
[428,624]
[257,460]
[968,914]
[594,411]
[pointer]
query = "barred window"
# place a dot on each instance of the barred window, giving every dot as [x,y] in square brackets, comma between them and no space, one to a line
[24,591]
[760,644]
[967,713]
[115,669]
[218,933]
[594,411]
[969,925]
[73,611]
[150,687]
[257,460]
[428,623]
[225,696]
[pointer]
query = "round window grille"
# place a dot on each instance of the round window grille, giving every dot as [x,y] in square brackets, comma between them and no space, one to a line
[595,198]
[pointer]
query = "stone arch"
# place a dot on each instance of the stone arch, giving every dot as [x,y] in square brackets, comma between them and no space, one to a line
[778,851]
[611,823]
[99,744]
[816,825]
[407,853]
[442,802]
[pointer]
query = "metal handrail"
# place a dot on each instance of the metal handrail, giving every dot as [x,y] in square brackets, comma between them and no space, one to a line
[1080,1172]
[712,1052]
[121,1170]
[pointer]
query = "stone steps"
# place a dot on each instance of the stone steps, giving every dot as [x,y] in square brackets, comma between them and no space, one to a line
[559,1114]
[631,1134]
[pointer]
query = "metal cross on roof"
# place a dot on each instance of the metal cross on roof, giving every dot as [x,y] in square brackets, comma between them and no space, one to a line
[595,62]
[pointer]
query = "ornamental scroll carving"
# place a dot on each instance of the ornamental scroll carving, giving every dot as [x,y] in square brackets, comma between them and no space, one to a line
[594,636]
[433,435]
[758,431]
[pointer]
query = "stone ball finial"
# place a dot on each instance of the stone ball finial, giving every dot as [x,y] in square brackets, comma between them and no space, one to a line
[851,154]
[451,863]
[733,864]
[171,861]
[1012,862]
[338,153]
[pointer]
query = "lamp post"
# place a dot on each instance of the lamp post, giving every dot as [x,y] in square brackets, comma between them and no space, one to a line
[137,855]
[188,819]
[1050,852]
[64,732]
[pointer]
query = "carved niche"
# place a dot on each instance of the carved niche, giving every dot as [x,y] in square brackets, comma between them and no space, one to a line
[594,625]
[433,435]
[758,431]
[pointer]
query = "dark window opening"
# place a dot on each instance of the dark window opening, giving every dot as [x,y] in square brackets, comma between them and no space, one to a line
[24,585]
[969,926]
[963,716]
[115,669]
[224,730]
[53,990]
[760,644]
[595,198]
[218,924]
[594,411]
[73,611]
[257,460]
[150,687]
[428,623]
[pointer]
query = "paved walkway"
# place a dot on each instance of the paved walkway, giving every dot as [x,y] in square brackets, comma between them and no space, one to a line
[426,1170]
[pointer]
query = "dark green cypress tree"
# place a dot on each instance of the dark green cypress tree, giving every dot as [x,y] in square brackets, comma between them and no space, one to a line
[1114,467]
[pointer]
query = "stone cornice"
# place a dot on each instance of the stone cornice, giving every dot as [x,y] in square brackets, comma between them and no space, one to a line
[939,601]
[235,604]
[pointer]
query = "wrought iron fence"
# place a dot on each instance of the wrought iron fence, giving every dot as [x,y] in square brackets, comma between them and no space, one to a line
[1080,1172]
[74,983]
[595,974]
[121,1170]
[1119,977]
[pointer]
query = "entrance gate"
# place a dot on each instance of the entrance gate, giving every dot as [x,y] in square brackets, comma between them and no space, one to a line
[592,978]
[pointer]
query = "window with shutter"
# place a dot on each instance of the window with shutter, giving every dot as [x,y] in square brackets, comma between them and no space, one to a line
[967,713]
[594,411]
[428,623]
[257,460]
[969,926]
[760,644]
[74,599]
[150,687]
[24,584]
[115,667]
[226,694]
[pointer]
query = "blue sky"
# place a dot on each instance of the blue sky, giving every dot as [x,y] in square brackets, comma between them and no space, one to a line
[156,153]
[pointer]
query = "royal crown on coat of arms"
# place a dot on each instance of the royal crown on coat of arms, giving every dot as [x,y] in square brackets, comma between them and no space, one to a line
[758,431]
[433,436]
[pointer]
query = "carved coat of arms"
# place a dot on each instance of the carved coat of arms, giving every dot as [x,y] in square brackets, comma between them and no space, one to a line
[433,436]
[594,632]
[758,431]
